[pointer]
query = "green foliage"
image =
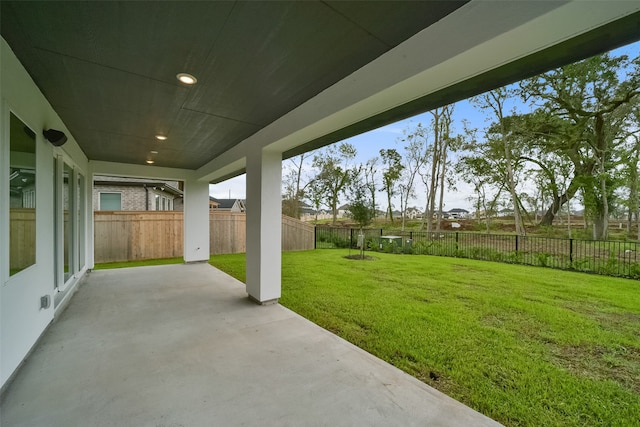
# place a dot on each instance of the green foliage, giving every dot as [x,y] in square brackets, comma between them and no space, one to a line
[543,259]
[392,160]
[526,346]
[360,206]
[334,173]
[140,263]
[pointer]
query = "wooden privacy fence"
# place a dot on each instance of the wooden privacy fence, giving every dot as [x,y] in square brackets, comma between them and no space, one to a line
[129,235]
[22,240]
[227,232]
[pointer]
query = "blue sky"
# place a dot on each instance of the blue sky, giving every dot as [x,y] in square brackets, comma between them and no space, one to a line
[370,143]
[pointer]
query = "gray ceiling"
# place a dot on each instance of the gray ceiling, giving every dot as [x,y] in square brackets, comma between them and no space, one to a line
[109,68]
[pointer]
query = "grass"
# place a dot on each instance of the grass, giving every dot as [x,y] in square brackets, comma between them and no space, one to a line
[141,263]
[526,346]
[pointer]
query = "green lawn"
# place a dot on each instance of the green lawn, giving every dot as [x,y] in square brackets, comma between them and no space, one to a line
[142,263]
[523,345]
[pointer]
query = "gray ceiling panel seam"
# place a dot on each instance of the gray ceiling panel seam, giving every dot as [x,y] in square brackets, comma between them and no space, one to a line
[222,117]
[336,11]
[109,67]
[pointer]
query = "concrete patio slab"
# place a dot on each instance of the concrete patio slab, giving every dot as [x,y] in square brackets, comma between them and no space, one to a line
[182,345]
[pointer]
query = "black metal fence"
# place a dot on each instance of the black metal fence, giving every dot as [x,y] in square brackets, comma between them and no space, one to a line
[610,258]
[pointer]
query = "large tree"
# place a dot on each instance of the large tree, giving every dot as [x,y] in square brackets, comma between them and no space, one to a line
[581,115]
[501,144]
[488,181]
[334,173]
[414,159]
[370,175]
[439,129]
[294,186]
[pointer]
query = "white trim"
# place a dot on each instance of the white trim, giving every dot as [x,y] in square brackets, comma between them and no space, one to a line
[4,193]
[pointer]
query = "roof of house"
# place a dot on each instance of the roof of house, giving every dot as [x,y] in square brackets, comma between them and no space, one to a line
[137,182]
[458,210]
[226,203]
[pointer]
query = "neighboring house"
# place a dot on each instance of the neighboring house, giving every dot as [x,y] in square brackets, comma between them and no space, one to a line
[213,203]
[307,213]
[413,213]
[458,213]
[135,194]
[233,205]
[343,211]
[505,212]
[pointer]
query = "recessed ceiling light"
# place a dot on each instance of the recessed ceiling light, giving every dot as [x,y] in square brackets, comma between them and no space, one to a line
[187,79]
[161,137]
[153,152]
[150,162]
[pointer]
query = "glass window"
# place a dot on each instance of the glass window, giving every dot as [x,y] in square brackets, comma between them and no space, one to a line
[67,203]
[22,194]
[110,201]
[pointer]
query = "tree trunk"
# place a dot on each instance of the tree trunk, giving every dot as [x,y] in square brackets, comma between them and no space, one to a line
[512,186]
[443,165]
[434,169]
[557,202]
[403,208]
[599,227]
[633,189]
[602,222]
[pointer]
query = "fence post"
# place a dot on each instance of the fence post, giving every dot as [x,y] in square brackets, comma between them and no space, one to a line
[350,238]
[570,253]
[456,242]
[315,237]
[516,244]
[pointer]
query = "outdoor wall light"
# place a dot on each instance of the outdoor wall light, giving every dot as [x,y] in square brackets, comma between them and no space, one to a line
[55,137]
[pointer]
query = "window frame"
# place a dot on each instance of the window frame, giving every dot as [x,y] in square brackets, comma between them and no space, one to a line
[100,193]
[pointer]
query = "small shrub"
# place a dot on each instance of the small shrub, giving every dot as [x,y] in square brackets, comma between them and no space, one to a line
[634,270]
[543,258]
[582,264]
[611,267]
[340,242]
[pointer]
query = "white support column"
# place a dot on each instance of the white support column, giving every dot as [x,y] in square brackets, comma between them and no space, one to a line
[89,219]
[264,225]
[196,221]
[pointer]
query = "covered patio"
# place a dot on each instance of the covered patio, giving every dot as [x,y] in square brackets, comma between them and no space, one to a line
[181,345]
[96,88]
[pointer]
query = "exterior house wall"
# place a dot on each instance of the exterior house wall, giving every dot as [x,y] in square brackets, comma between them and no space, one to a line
[413,213]
[22,316]
[135,198]
[132,198]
